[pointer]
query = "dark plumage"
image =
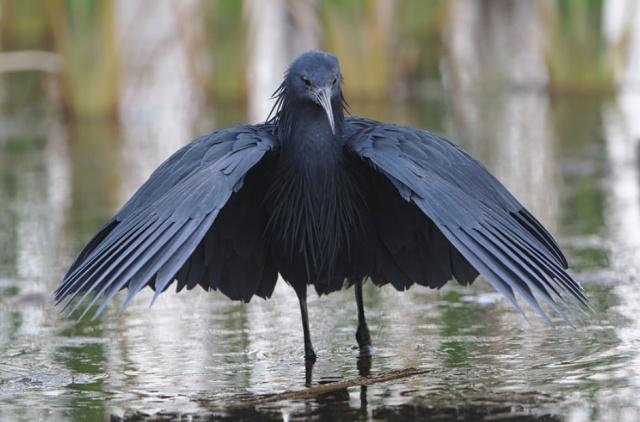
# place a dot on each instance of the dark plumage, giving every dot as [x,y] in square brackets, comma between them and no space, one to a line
[323,200]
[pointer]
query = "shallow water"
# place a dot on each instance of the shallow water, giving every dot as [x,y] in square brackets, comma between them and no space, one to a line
[570,160]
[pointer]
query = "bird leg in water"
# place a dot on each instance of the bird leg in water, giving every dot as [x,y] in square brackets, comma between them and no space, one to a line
[364,370]
[308,372]
[362,334]
[309,353]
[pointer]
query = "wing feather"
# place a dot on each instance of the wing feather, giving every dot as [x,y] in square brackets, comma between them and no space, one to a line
[474,212]
[159,229]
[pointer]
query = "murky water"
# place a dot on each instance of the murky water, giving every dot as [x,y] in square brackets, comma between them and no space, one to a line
[571,160]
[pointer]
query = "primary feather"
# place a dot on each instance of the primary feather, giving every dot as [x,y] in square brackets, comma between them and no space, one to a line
[155,236]
[473,211]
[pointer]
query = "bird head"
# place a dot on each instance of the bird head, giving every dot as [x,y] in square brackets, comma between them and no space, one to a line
[315,77]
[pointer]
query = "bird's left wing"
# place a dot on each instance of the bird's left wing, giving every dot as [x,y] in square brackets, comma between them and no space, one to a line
[472,209]
[155,232]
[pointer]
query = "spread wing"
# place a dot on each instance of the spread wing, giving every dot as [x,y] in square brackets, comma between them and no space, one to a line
[162,232]
[472,209]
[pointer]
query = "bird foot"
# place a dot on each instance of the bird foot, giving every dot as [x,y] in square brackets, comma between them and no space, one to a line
[363,337]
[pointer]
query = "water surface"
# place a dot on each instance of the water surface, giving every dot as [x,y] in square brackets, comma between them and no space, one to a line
[570,160]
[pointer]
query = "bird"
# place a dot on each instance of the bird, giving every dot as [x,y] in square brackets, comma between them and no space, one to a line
[322,198]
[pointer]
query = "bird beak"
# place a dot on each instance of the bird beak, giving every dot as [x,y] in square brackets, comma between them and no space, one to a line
[323,97]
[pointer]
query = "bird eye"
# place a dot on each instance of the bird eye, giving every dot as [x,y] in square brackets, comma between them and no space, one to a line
[306,81]
[335,80]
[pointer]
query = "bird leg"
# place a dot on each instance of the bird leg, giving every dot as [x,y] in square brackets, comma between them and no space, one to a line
[308,372]
[364,370]
[309,353]
[362,334]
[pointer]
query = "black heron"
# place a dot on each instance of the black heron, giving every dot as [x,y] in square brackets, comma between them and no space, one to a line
[322,199]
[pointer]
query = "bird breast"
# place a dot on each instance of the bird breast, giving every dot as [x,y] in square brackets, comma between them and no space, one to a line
[313,216]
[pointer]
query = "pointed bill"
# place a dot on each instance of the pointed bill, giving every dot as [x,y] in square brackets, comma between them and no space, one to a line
[323,96]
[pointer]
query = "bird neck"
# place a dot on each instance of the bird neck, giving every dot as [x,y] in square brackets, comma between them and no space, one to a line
[303,127]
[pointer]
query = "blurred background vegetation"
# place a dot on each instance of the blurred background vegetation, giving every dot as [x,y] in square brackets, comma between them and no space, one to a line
[124,83]
[386,47]
[146,76]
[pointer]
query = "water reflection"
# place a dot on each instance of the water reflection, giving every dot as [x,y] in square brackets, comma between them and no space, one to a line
[196,352]
[623,186]
[160,97]
[498,75]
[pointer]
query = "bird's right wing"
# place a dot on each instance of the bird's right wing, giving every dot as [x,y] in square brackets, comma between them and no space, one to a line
[154,234]
[471,208]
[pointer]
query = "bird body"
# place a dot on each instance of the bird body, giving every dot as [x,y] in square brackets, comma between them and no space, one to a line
[322,199]
[315,203]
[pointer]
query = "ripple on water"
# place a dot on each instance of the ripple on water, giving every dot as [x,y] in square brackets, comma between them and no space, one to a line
[199,354]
